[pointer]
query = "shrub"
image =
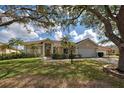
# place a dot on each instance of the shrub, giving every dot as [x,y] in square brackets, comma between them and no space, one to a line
[72,56]
[57,56]
[65,56]
[14,55]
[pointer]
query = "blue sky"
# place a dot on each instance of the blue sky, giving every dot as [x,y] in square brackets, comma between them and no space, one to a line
[17,30]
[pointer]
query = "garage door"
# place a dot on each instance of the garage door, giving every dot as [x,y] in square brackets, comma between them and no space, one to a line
[87,52]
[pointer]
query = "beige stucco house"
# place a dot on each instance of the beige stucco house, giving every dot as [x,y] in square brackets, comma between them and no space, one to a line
[45,48]
[4,50]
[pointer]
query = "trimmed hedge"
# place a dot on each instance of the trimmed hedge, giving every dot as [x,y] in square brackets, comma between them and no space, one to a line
[14,56]
[65,56]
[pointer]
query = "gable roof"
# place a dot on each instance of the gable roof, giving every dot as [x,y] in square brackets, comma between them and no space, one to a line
[87,40]
[39,41]
[104,48]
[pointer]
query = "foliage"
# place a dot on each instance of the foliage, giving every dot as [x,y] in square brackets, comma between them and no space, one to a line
[65,41]
[65,56]
[15,42]
[15,56]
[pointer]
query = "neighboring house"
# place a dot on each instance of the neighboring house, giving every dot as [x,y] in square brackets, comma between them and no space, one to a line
[4,50]
[114,50]
[86,48]
[105,50]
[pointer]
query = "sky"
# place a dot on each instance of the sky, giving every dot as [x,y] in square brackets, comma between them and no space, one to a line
[17,30]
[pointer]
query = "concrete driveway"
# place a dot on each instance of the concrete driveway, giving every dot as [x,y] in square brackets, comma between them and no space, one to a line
[112,60]
[107,60]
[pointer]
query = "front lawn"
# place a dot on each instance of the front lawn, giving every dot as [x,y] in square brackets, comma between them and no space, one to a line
[32,72]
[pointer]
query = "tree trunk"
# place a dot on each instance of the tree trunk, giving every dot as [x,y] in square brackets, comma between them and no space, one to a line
[121,60]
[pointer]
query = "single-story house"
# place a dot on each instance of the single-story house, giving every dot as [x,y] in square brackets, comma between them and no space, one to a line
[5,50]
[45,48]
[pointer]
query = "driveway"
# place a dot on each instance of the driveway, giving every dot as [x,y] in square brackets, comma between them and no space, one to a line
[111,60]
[107,60]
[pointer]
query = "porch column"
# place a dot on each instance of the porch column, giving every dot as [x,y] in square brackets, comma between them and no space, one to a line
[43,49]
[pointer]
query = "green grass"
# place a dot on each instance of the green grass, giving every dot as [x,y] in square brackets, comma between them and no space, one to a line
[87,73]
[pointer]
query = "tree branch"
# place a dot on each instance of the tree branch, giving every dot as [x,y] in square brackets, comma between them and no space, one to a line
[109,32]
[74,18]
[20,19]
[8,22]
[97,13]
[109,13]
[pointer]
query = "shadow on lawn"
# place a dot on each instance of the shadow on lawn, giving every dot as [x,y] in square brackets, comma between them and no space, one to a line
[35,73]
[13,68]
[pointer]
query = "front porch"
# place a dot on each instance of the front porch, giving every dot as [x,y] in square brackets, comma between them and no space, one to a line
[43,48]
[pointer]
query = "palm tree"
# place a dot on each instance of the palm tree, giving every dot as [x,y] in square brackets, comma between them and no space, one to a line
[65,42]
[68,45]
[15,42]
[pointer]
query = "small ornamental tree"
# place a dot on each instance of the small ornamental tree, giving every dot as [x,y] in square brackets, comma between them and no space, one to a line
[15,42]
[67,44]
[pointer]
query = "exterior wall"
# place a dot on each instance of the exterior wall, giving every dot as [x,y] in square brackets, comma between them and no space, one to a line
[40,48]
[10,50]
[7,51]
[115,51]
[2,50]
[86,49]
[37,51]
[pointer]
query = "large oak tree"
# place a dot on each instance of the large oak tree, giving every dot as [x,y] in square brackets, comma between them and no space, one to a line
[107,19]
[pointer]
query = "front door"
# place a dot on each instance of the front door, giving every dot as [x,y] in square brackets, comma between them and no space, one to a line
[47,49]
